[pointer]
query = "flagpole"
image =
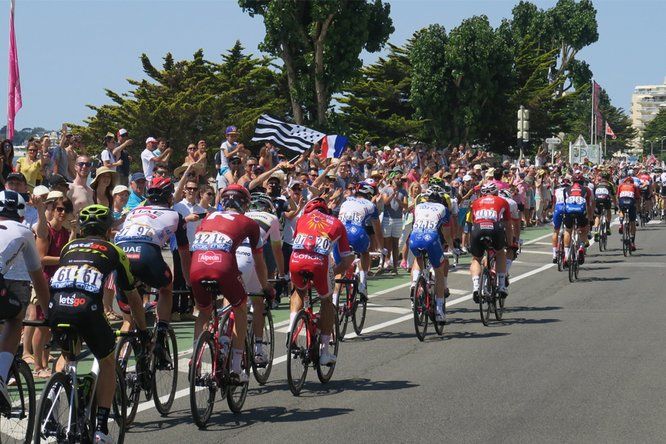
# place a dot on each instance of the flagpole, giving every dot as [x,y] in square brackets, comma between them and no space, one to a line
[592,118]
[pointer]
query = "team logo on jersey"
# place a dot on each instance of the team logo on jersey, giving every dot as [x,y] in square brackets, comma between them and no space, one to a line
[317,222]
[210,258]
[71,301]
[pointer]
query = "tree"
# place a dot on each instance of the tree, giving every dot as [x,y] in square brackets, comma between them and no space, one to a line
[377,103]
[655,130]
[188,100]
[319,42]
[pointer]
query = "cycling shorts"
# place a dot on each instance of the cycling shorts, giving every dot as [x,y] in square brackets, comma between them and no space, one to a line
[147,265]
[494,231]
[558,214]
[217,266]
[245,262]
[429,242]
[601,205]
[580,218]
[14,297]
[87,315]
[628,207]
[358,239]
[323,278]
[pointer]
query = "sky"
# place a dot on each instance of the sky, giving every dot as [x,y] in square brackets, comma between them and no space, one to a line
[70,51]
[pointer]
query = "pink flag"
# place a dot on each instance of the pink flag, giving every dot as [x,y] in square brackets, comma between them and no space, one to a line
[14,102]
[609,131]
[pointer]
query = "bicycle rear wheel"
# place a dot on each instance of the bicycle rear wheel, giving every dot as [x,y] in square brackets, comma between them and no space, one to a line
[202,379]
[560,255]
[344,307]
[419,294]
[17,422]
[236,394]
[298,353]
[439,326]
[485,295]
[165,374]
[262,372]
[359,309]
[126,359]
[325,372]
[117,423]
[53,415]
[572,259]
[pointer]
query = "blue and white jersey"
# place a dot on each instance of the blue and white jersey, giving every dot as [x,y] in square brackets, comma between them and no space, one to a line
[559,197]
[429,216]
[358,212]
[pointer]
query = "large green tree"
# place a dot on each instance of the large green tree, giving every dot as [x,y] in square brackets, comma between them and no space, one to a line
[319,42]
[655,130]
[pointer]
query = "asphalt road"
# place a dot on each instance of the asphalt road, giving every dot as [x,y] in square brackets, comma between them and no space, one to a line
[580,362]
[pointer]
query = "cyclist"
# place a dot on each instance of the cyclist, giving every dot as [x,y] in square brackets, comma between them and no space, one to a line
[214,258]
[578,207]
[647,191]
[629,196]
[261,211]
[431,224]
[490,216]
[357,213]
[515,221]
[661,174]
[77,287]
[16,243]
[558,212]
[317,233]
[144,232]
[604,196]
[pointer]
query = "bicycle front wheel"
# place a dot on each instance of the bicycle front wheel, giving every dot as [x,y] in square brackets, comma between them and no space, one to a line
[164,368]
[16,424]
[359,310]
[263,371]
[117,424]
[202,379]
[325,372]
[126,358]
[572,259]
[420,310]
[236,394]
[344,306]
[485,296]
[53,416]
[298,353]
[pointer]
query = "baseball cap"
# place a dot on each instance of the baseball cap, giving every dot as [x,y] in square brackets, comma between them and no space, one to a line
[231,130]
[119,189]
[151,139]
[477,166]
[467,178]
[137,177]
[109,136]
[16,176]
[122,132]
[57,179]
[40,190]
[296,182]
[387,148]
[53,195]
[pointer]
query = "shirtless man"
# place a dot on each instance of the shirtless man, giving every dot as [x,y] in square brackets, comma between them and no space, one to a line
[80,193]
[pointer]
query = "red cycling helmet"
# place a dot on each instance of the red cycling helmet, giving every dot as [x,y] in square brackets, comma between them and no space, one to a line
[317,204]
[235,196]
[159,189]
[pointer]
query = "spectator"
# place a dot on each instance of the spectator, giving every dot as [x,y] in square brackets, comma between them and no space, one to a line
[394,199]
[123,169]
[111,152]
[102,185]
[228,149]
[59,160]
[138,191]
[79,192]
[120,195]
[73,143]
[31,165]
[149,158]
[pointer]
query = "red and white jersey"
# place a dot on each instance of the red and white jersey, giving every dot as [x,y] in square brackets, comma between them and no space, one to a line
[318,233]
[513,207]
[490,209]
[225,231]
[153,224]
[627,191]
[646,179]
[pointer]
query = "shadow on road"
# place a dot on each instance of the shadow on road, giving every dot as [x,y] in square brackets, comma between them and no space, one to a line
[601,279]
[530,309]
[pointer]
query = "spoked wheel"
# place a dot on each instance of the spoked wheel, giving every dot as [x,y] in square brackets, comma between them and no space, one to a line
[359,310]
[236,393]
[298,353]
[576,265]
[165,373]
[439,326]
[572,260]
[202,379]
[17,421]
[499,307]
[345,298]
[117,422]
[126,359]
[325,372]
[263,371]
[560,256]
[625,240]
[53,417]
[420,310]
[485,296]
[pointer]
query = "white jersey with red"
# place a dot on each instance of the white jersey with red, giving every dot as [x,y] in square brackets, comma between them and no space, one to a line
[513,209]
[315,237]
[214,255]
[152,224]
[269,227]
[490,209]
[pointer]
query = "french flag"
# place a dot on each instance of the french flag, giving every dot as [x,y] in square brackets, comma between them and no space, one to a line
[333,146]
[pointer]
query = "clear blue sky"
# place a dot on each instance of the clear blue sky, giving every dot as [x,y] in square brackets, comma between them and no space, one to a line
[69,51]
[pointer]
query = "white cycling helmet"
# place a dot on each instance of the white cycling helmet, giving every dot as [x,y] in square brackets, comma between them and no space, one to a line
[506,193]
[489,188]
[12,205]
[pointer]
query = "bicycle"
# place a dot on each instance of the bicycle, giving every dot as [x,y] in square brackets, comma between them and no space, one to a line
[148,371]
[560,249]
[262,371]
[17,420]
[626,237]
[603,230]
[350,301]
[574,245]
[489,300]
[304,341]
[68,405]
[210,367]
[423,297]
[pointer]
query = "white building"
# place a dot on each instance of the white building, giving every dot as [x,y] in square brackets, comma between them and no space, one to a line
[646,102]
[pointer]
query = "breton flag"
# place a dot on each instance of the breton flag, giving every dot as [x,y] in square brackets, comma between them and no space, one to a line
[14,102]
[295,137]
[609,132]
[333,146]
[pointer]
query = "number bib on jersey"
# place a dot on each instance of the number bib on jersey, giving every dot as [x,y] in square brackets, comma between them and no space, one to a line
[82,277]
[136,232]
[485,214]
[425,225]
[212,240]
[602,193]
[351,218]
[320,245]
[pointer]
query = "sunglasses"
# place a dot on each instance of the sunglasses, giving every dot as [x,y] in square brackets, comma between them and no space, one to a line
[60,209]
[160,173]
[85,164]
[191,188]
[314,175]
[209,194]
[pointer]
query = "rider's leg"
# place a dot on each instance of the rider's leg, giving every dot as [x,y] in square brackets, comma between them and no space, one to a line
[295,305]
[165,303]
[258,318]
[238,340]
[106,387]
[500,260]
[363,272]
[567,242]
[10,336]
[417,266]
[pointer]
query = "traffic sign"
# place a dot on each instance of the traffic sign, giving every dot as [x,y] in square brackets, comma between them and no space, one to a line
[553,140]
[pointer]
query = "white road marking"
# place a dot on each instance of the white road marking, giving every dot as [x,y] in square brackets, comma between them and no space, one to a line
[537,252]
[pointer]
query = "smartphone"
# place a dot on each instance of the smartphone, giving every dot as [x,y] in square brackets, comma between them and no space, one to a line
[201,215]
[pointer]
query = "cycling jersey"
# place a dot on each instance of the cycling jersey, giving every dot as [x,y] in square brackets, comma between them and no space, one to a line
[269,227]
[576,198]
[356,214]
[428,218]
[214,255]
[513,209]
[16,239]
[558,211]
[152,224]
[604,191]
[490,209]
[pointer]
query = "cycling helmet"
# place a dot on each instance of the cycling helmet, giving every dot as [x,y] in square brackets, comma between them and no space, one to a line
[658,170]
[421,198]
[235,197]
[605,175]
[630,172]
[436,181]
[95,220]
[566,180]
[432,195]
[318,204]
[448,189]
[489,188]
[159,189]
[12,205]
[506,193]
[365,189]
[262,202]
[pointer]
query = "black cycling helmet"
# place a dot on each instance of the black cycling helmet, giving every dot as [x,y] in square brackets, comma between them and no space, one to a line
[159,190]
[95,220]
[12,205]
[235,197]
[262,202]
